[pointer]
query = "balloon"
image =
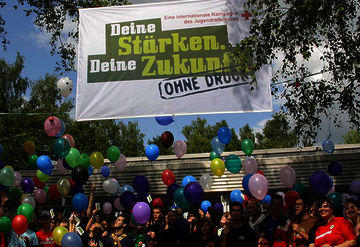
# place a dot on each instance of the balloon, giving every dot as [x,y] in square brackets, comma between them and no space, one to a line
[5,224]
[60,167]
[73,158]
[141,212]
[27,185]
[121,163]
[18,179]
[109,186]
[290,198]
[224,135]
[320,182]
[70,139]
[168,177]
[4,188]
[335,168]
[171,189]
[328,146]
[245,183]
[107,207]
[71,239]
[58,233]
[250,165]
[96,160]
[91,169]
[204,206]
[217,146]
[7,177]
[62,129]
[42,177]
[157,202]
[193,192]
[113,154]
[64,87]
[54,194]
[214,155]
[52,126]
[1,149]
[29,147]
[233,163]
[118,205]
[84,160]
[141,184]
[180,148]
[298,187]
[105,171]
[32,161]
[128,200]
[167,139]
[40,196]
[247,146]
[61,147]
[76,189]
[15,194]
[337,200]
[180,199]
[44,164]
[127,187]
[236,196]
[166,120]
[266,200]
[63,186]
[1,165]
[287,176]
[188,179]
[80,202]
[217,167]
[258,186]
[355,186]
[26,210]
[29,200]
[80,175]
[20,224]
[206,181]
[38,183]
[152,152]
[219,208]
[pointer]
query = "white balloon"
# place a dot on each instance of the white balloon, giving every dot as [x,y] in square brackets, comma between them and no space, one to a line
[287,176]
[109,186]
[206,181]
[121,163]
[250,165]
[18,178]
[64,86]
[29,200]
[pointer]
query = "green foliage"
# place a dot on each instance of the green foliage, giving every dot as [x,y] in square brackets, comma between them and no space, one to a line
[246,133]
[352,137]
[163,150]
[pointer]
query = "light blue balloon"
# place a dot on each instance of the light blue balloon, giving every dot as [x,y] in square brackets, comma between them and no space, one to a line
[127,187]
[217,146]
[188,179]
[152,152]
[328,146]
[204,206]
[236,196]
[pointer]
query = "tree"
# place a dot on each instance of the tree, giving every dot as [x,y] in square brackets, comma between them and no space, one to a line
[352,136]
[246,133]
[131,139]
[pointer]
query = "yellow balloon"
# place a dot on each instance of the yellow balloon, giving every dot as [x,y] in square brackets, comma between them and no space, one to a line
[10,167]
[29,147]
[22,197]
[217,167]
[96,160]
[58,234]
[63,186]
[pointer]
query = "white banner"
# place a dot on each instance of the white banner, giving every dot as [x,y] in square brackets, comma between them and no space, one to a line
[163,59]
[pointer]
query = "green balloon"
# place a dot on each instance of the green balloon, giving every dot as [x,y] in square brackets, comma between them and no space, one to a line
[113,154]
[336,198]
[5,224]
[233,163]
[26,210]
[84,160]
[7,177]
[299,187]
[46,188]
[73,158]
[15,194]
[214,155]
[247,146]
[32,161]
[180,200]
[42,176]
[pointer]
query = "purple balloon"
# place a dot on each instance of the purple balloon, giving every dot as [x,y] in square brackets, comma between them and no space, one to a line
[355,186]
[128,200]
[141,212]
[118,205]
[320,182]
[27,185]
[193,192]
[141,184]
[171,189]
[335,168]
[218,208]
[76,188]
[65,165]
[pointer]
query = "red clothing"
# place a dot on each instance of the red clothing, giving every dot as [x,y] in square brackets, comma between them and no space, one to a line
[336,232]
[45,238]
[2,239]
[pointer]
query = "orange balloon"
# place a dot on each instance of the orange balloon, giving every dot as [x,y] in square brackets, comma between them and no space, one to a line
[29,147]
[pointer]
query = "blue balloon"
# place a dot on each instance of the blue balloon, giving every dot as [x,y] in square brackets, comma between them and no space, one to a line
[245,184]
[217,146]
[204,206]
[141,184]
[71,239]
[334,168]
[44,164]
[188,179]
[266,200]
[80,202]
[224,135]
[164,120]
[236,196]
[171,189]
[91,169]
[105,171]
[193,192]
[219,208]
[127,187]
[62,129]
[1,149]
[320,182]
[328,146]
[152,152]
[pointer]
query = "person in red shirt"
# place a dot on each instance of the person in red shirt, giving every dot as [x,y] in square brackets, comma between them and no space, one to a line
[44,235]
[333,231]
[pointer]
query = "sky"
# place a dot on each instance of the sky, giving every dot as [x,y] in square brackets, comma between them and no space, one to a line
[33,45]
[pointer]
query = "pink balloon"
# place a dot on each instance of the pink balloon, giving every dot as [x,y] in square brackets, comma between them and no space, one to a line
[60,167]
[70,139]
[180,148]
[250,165]
[120,164]
[52,126]
[40,196]
[18,179]
[118,205]
[258,186]
[107,207]
[287,176]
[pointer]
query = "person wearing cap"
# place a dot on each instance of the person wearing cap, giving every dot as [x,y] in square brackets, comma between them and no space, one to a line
[44,235]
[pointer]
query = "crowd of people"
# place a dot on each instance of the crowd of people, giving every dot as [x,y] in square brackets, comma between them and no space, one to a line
[251,223]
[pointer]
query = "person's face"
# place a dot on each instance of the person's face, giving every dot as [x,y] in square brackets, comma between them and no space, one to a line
[45,222]
[276,207]
[171,217]
[263,242]
[157,214]
[52,223]
[205,229]
[104,224]
[94,225]
[351,211]
[236,213]
[299,206]
[119,222]
[253,208]
[151,234]
[325,211]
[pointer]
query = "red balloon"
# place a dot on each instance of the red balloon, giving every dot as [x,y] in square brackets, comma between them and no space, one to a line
[290,198]
[70,139]
[38,184]
[72,183]
[54,194]
[167,139]
[168,177]
[20,224]
[157,202]
[260,172]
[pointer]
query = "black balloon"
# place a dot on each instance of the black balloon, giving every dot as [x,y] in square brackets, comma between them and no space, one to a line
[80,175]
[167,139]
[128,200]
